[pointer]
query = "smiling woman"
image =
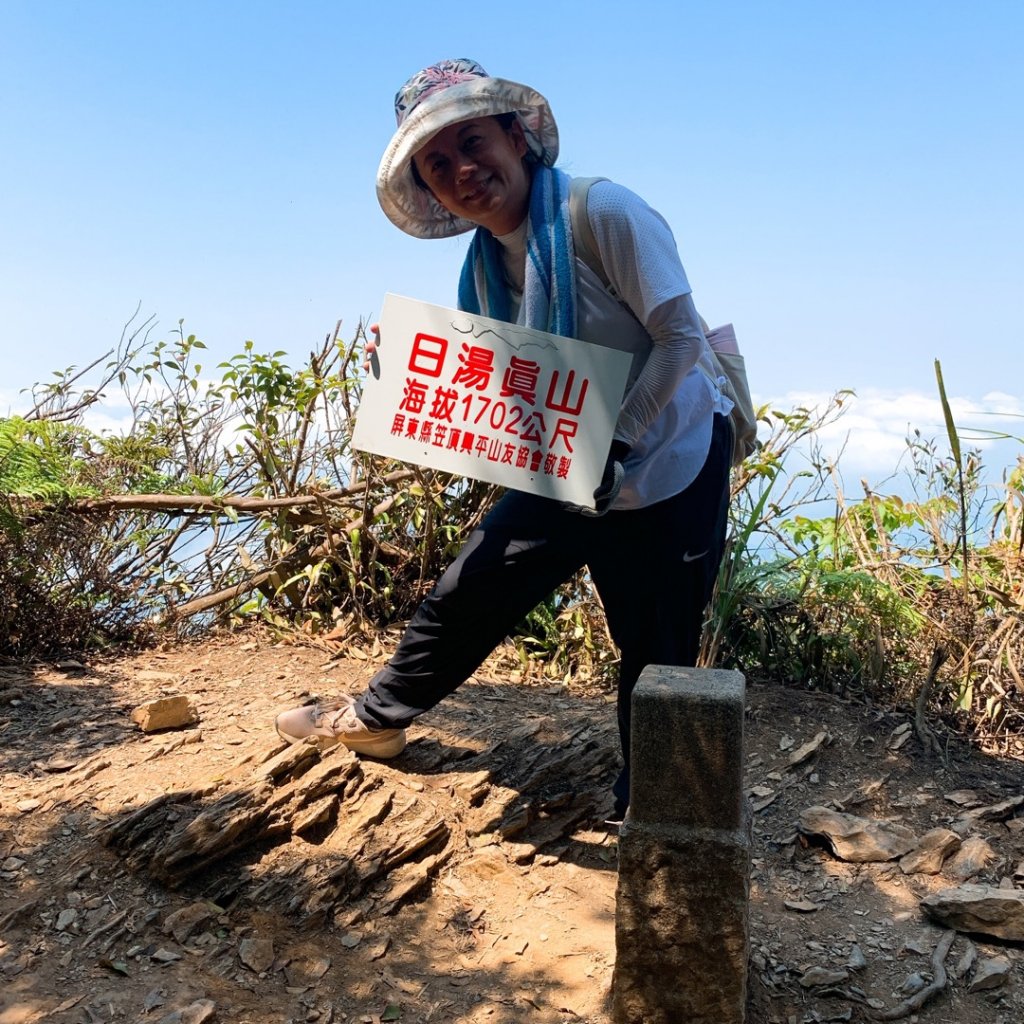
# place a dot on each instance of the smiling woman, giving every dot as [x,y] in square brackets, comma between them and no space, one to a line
[476,170]
[477,152]
[436,100]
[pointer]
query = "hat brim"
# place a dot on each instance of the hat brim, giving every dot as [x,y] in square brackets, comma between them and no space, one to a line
[414,209]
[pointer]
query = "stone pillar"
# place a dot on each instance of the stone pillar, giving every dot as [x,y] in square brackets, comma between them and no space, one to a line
[681,919]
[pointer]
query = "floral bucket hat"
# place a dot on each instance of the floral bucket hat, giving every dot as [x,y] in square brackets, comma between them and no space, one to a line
[438,96]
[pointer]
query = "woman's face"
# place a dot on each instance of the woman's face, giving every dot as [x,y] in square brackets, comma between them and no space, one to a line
[475,170]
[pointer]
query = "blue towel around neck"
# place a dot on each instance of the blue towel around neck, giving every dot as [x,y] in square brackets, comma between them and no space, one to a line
[549,291]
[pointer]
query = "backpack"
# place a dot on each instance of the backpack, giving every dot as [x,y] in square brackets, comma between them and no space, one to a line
[729,365]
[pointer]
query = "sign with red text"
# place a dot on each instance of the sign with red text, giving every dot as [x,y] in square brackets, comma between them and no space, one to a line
[490,400]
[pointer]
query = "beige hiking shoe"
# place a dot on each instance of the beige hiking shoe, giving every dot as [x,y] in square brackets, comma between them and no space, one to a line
[336,722]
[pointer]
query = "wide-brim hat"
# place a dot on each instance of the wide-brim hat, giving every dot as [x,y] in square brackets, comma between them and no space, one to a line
[439,96]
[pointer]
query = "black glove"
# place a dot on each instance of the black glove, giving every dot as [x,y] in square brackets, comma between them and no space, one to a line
[611,480]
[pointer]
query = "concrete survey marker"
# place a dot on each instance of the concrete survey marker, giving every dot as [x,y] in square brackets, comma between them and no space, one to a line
[682,915]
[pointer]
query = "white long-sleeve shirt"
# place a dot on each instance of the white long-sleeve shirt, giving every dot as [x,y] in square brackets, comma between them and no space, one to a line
[646,310]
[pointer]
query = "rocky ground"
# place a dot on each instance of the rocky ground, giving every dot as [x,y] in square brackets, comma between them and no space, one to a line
[206,872]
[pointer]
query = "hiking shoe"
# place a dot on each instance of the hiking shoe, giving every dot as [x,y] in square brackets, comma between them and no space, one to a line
[336,722]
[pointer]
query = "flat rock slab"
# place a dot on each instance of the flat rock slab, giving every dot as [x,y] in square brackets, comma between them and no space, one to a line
[859,840]
[991,812]
[980,909]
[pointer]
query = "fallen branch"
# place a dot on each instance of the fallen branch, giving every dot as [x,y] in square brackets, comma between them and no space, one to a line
[938,983]
[281,569]
[112,924]
[190,504]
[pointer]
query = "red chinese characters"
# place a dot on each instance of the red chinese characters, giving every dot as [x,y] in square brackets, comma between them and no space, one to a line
[464,399]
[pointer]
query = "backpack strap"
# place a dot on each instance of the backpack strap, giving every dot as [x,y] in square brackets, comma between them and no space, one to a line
[729,374]
[583,239]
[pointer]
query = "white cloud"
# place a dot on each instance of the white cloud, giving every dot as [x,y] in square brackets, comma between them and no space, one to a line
[872,431]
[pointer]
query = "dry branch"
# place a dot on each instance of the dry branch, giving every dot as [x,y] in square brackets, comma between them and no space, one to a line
[924,731]
[938,983]
[190,504]
[281,568]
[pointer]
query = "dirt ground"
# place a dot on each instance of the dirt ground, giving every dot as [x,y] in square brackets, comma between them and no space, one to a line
[472,879]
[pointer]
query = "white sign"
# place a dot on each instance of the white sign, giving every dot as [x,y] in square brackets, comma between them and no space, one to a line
[490,400]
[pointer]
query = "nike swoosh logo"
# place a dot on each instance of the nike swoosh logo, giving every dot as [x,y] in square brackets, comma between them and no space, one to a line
[693,558]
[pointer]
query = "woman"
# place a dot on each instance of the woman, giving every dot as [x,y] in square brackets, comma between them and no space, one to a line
[473,151]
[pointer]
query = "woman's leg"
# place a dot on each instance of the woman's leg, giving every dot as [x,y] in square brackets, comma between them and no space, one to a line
[521,552]
[656,578]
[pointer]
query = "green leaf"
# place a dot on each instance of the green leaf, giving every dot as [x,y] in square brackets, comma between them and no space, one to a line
[947,412]
[391,1012]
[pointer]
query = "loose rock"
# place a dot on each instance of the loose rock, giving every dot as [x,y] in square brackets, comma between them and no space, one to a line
[964,797]
[984,909]
[809,749]
[257,954]
[856,961]
[823,976]
[966,961]
[306,973]
[148,675]
[856,839]
[66,918]
[994,812]
[973,856]
[913,984]
[899,736]
[165,713]
[802,906]
[934,848]
[195,1013]
[155,998]
[992,972]
[182,923]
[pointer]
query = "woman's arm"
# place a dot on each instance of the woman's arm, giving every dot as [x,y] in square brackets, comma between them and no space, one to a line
[640,259]
[675,330]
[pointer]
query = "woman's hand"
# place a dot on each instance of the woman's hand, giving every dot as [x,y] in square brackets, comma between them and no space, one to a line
[611,482]
[371,345]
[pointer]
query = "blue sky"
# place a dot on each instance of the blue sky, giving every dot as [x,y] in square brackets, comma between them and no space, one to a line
[843,179]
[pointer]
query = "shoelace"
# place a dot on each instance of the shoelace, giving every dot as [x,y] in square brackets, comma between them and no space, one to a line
[321,711]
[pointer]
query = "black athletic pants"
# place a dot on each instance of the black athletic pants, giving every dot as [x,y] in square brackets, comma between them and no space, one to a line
[654,569]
